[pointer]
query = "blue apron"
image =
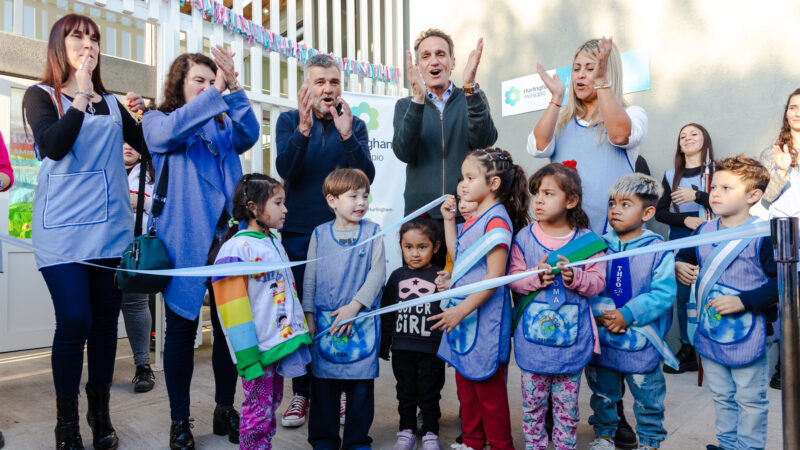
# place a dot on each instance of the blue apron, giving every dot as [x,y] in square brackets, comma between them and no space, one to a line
[482,340]
[82,208]
[732,340]
[632,351]
[353,357]
[599,165]
[548,340]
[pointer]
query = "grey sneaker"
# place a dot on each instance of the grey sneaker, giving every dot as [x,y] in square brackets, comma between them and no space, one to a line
[430,442]
[405,441]
[601,444]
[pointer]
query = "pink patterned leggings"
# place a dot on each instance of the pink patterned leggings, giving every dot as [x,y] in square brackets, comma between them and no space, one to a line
[564,391]
[262,397]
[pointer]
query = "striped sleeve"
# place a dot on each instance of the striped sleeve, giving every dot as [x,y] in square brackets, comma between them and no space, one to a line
[233,307]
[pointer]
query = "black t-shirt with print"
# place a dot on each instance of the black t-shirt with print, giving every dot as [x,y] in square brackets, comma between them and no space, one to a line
[409,329]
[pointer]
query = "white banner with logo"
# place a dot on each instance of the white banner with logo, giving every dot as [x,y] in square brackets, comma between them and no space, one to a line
[386,193]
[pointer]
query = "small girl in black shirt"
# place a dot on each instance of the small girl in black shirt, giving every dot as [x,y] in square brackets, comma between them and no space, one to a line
[419,372]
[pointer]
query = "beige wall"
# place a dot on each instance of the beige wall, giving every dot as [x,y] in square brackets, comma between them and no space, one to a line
[726,65]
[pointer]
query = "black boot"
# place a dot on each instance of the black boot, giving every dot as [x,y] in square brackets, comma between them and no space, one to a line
[624,438]
[68,433]
[687,360]
[775,381]
[98,416]
[180,435]
[2,440]
[226,422]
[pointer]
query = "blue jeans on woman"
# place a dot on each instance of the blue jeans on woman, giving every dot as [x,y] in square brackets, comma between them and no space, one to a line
[87,307]
[648,390]
[179,363]
[740,402]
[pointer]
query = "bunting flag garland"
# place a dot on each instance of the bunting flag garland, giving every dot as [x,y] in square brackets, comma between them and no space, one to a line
[255,34]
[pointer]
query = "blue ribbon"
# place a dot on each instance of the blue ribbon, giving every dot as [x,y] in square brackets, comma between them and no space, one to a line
[753,230]
[225,270]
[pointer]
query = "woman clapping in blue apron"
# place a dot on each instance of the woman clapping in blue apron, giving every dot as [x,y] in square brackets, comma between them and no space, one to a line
[81,211]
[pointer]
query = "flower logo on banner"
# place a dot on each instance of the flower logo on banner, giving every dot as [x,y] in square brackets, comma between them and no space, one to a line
[512,96]
[371,119]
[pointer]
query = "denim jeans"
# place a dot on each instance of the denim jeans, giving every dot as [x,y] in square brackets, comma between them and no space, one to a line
[138,322]
[740,401]
[648,390]
[86,304]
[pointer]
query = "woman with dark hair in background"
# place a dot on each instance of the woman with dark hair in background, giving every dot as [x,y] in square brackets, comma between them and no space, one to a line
[683,207]
[82,190]
[198,134]
[782,197]
[136,306]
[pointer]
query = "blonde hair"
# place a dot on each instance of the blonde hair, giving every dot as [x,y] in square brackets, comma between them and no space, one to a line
[575,107]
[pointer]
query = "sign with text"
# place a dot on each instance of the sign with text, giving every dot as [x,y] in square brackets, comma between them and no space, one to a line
[528,93]
[386,203]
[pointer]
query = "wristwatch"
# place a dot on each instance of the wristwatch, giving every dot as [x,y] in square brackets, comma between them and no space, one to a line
[471,90]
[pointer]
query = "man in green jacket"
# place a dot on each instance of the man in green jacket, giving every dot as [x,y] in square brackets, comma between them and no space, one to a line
[439,124]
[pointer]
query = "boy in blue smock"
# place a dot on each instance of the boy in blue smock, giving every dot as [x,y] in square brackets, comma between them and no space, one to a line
[348,278]
[633,315]
[736,301]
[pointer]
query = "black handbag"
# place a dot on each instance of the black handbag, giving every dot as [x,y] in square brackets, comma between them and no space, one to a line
[146,252]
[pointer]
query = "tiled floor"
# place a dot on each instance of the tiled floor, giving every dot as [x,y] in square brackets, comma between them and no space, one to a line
[27,414]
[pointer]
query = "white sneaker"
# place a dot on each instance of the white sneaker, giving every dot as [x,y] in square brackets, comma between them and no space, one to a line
[295,414]
[457,446]
[342,408]
[602,444]
[430,442]
[405,441]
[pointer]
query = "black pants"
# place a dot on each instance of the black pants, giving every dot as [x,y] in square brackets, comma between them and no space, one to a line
[323,416]
[420,379]
[87,306]
[179,362]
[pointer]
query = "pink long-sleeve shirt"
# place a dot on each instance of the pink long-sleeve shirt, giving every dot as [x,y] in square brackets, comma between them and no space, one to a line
[5,164]
[586,281]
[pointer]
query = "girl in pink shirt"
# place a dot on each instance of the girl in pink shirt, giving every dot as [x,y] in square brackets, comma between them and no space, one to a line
[555,334]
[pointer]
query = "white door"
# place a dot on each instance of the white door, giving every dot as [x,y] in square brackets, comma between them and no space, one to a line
[26,312]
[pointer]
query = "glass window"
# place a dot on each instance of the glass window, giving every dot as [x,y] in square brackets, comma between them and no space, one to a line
[8,16]
[26,169]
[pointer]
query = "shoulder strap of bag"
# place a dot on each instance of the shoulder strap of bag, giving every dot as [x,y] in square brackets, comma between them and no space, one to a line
[160,195]
[137,230]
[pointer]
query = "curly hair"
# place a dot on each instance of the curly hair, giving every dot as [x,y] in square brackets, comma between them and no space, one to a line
[513,192]
[785,136]
[570,182]
[176,78]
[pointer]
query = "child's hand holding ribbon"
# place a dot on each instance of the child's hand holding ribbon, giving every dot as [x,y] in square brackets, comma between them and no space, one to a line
[546,278]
